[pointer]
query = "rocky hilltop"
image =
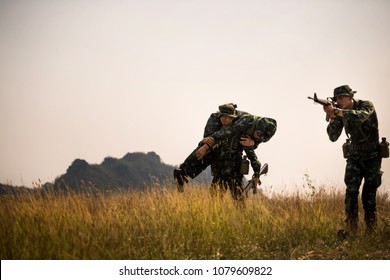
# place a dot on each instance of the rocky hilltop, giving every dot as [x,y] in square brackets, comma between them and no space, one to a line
[133,171]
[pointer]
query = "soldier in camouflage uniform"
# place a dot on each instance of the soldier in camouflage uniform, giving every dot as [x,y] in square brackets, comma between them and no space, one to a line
[359,120]
[226,168]
[260,129]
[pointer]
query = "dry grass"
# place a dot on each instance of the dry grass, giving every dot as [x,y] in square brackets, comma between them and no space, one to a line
[164,224]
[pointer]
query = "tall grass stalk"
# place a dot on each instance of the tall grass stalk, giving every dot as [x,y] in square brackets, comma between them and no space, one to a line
[161,223]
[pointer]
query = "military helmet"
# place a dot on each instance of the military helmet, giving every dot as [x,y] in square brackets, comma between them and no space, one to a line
[265,128]
[228,109]
[344,90]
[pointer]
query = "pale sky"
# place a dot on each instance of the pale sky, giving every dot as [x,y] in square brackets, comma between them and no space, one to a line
[91,79]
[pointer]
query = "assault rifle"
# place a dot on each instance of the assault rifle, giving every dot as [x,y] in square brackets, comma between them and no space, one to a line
[323,102]
[251,185]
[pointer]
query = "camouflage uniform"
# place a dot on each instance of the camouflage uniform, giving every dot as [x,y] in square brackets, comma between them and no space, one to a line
[226,169]
[243,124]
[363,159]
[191,165]
[248,124]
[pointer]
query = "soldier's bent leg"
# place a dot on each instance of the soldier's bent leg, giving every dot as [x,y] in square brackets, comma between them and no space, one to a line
[193,167]
[353,178]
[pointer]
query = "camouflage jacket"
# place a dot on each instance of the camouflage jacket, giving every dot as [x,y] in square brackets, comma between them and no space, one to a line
[214,124]
[244,124]
[360,124]
[228,156]
[228,148]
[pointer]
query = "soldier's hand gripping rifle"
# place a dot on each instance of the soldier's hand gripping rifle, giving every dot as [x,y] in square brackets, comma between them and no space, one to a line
[323,102]
[251,185]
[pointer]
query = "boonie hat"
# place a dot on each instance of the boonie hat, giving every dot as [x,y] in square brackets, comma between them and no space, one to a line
[344,90]
[228,109]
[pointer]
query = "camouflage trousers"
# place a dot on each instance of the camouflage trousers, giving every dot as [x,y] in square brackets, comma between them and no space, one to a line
[355,171]
[193,167]
[221,183]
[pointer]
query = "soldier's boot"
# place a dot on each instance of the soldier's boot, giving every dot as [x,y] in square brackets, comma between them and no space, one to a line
[370,220]
[180,177]
[352,225]
[350,229]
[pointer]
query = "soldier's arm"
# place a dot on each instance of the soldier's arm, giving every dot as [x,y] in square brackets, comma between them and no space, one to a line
[214,124]
[334,129]
[246,141]
[250,152]
[238,127]
[366,109]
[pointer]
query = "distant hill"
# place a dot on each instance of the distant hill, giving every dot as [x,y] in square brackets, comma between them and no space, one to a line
[134,170]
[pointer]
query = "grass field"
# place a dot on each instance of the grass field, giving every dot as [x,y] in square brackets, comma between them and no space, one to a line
[164,224]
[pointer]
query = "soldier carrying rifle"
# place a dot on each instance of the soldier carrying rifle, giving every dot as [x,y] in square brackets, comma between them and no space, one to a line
[362,151]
